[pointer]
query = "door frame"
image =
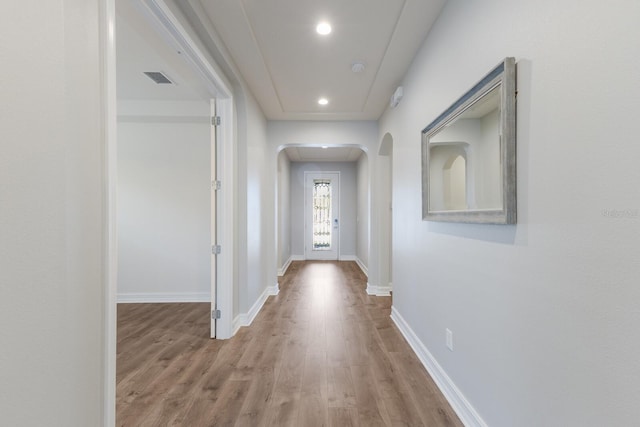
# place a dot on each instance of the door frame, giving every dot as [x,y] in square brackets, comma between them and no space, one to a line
[307,232]
[220,89]
[213,218]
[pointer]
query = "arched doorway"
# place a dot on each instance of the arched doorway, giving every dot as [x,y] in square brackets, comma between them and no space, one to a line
[294,161]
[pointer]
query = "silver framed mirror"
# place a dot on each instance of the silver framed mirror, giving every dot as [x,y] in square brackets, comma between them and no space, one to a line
[469,154]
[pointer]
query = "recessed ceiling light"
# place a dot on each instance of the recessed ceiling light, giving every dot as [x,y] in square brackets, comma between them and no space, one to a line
[324,147]
[323,101]
[323,28]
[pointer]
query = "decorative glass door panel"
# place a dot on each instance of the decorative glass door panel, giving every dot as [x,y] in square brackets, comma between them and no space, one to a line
[321,215]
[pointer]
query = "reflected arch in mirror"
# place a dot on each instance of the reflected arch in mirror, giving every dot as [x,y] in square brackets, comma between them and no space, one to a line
[454,183]
[450,174]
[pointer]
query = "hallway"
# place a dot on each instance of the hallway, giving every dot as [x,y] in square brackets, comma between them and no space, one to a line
[322,352]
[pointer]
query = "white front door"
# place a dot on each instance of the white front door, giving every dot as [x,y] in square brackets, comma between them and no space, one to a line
[322,215]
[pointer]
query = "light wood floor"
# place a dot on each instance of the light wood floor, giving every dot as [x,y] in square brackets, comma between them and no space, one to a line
[321,353]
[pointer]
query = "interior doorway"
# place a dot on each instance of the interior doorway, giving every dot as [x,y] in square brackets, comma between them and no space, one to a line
[167,153]
[160,25]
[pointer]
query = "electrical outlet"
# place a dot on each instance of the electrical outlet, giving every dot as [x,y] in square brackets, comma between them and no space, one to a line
[449,339]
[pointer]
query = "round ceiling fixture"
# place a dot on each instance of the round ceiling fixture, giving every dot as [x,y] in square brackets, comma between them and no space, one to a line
[323,28]
[357,67]
[323,101]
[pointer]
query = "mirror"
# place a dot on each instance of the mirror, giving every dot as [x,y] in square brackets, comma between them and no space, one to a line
[469,154]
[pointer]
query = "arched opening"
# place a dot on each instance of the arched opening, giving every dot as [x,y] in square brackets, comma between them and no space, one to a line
[294,162]
[449,177]
[454,176]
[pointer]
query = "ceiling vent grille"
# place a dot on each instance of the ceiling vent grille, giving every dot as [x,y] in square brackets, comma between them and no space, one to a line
[158,77]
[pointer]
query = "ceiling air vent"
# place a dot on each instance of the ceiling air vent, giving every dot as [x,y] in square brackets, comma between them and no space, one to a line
[158,77]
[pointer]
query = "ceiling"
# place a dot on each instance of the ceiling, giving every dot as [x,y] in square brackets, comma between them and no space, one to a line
[140,48]
[285,63]
[319,154]
[288,66]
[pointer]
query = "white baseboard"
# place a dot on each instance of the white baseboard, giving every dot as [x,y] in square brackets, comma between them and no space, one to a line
[245,319]
[273,290]
[467,413]
[380,291]
[357,261]
[125,298]
[283,270]
[355,258]
[238,322]
[363,267]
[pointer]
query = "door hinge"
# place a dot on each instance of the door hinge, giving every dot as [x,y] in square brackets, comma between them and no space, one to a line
[216,249]
[215,314]
[216,185]
[215,121]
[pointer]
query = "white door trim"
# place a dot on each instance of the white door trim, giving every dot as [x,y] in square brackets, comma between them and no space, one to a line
[225,216]
[109,230]
[213,200]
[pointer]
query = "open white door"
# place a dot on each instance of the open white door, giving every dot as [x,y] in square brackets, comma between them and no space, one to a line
[322,215]
[214,222]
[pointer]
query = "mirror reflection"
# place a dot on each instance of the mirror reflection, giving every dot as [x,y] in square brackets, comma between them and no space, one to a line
[464,159]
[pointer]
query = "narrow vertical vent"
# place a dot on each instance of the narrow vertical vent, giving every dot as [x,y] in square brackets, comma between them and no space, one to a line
[158,77]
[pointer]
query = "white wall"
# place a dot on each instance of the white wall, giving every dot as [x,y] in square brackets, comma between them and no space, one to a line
[164,211]
[284,211]
[544,314]
[363,210]
[347,203]
[51,211]
[385,175]
[256,203]
[385,215]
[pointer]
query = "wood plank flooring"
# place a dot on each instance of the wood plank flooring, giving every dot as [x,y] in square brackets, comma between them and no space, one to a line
[321,353]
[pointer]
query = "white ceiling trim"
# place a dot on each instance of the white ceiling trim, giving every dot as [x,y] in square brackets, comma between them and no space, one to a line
[384,56]
[260,50]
